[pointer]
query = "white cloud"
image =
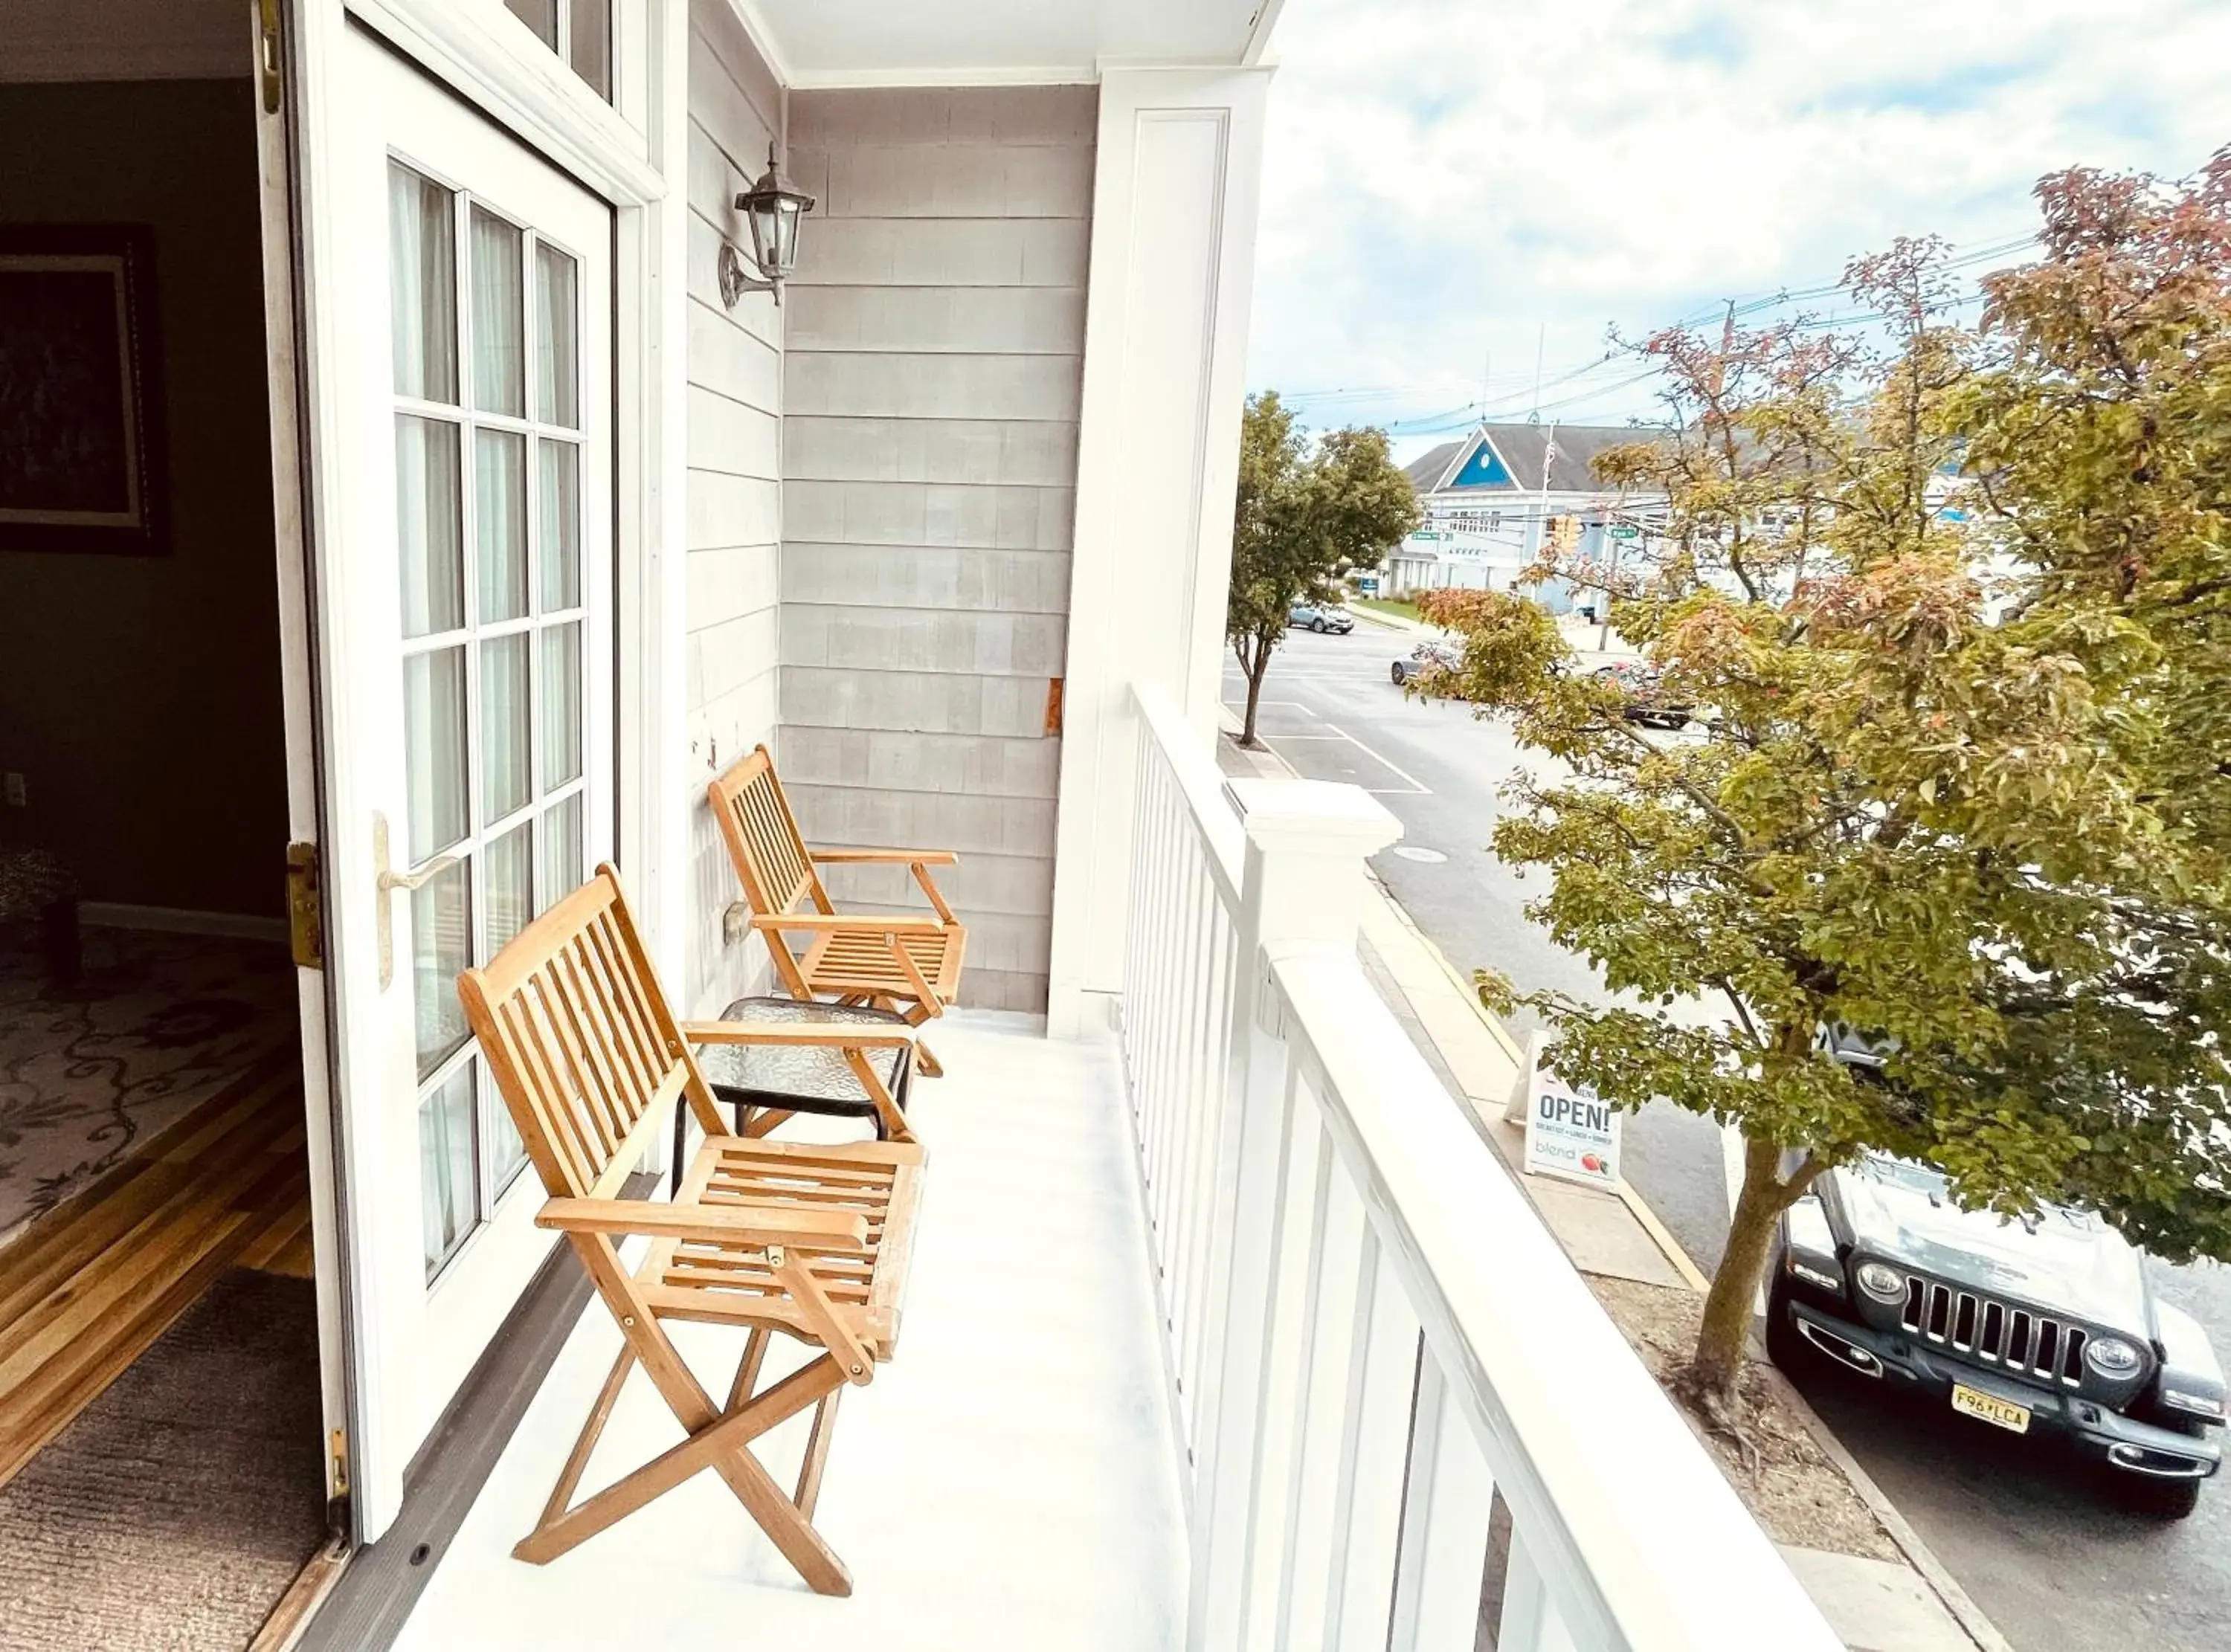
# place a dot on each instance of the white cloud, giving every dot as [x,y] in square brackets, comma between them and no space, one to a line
[1444,176]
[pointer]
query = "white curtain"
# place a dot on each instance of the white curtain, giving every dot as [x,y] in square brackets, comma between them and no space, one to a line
[499,316]
[422,270]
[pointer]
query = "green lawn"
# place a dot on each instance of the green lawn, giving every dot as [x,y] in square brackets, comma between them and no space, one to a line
[1389,605]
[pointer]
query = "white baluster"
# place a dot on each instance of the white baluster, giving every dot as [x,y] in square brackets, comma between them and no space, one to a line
[1302,885]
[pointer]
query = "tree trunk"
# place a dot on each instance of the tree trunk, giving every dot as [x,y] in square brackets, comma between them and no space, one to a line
[1723,1340]
[1257,669]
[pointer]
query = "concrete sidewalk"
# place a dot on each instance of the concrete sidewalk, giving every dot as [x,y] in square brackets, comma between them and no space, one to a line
[1911,1605]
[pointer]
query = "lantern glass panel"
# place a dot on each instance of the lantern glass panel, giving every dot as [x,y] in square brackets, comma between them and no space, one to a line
[785,239]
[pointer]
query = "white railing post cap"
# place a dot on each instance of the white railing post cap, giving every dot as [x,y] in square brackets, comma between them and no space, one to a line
[1320,816]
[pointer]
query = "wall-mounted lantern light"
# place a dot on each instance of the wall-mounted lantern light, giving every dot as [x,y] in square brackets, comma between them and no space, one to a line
[772,208]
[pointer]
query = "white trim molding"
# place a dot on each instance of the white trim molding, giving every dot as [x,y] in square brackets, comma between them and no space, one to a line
[484,55]
[762,38]
[1172,271]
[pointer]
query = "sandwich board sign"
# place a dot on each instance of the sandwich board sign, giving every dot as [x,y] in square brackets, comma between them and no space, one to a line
[1569,1133]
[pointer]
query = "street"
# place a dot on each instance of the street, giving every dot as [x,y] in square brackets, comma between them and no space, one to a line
[2052,1561]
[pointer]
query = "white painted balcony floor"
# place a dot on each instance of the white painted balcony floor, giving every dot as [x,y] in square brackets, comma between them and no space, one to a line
[1009,1480]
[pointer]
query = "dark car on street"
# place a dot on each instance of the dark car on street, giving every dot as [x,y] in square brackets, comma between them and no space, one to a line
[1309,616]
[2046,1326]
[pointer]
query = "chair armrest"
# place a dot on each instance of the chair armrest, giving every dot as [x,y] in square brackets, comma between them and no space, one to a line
[893,857]
[835,1038]
[865,923]
[768,1225]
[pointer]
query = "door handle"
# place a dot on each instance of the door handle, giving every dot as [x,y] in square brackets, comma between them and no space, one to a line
[389,881]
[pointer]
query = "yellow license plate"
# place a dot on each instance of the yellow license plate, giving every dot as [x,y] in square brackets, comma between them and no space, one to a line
[1990,1407]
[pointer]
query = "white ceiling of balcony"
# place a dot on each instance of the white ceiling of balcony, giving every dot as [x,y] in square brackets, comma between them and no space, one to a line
[835,43]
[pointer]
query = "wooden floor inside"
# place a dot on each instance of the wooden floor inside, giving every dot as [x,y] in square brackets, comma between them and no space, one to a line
[92,1283]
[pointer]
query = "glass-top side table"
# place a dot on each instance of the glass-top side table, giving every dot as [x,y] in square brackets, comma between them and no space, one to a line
[798,1078]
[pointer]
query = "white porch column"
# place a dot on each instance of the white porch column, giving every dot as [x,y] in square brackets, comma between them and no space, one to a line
[1165,347]
[1303,887]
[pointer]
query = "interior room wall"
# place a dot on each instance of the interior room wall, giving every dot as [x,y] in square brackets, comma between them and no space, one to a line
[139,697]
[935,336]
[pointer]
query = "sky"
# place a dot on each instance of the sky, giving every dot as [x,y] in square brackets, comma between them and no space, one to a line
[1449,185]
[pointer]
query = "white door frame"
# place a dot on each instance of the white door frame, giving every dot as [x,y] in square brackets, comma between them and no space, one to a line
[298,696]
[484,56]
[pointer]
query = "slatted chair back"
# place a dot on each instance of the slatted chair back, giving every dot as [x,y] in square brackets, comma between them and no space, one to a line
[769,852]
[763,836]
[582,1043]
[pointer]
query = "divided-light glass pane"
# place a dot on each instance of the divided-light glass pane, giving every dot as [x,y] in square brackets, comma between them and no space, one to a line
[499,316]
[500,522]
[449,1190]
[440,947]
[428,535]
[540,15]
[592,45]
[558,524]
[509,886]
[434,750]
[506,1153]
[556,338]
[422,280]
[506,781]
[563,872]
[561,690]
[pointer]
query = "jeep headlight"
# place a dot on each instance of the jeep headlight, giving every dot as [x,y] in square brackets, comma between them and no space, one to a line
[1882,1282]
[2113,1357]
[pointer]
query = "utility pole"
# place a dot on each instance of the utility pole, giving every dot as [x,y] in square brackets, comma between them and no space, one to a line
[1541,514]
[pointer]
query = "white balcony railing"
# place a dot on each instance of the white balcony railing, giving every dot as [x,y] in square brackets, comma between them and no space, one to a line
[1405,1424]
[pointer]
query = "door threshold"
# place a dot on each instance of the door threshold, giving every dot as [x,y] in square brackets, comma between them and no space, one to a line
[291,1616]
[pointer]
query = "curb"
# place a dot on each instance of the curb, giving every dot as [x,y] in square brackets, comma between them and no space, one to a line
[1465,987]
[1380,621]
[1973,1622]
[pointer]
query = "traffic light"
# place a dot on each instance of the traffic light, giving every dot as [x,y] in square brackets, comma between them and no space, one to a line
[1564,534]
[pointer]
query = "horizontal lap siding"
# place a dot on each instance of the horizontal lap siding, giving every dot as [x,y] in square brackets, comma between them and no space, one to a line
[935,338]
[735,447]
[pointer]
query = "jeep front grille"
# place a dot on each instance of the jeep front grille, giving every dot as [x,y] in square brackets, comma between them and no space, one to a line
[1994,1333]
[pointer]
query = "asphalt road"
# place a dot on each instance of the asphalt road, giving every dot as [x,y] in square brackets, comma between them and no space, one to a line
[2053,1562]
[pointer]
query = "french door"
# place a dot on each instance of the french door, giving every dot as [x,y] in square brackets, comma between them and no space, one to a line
[461,361]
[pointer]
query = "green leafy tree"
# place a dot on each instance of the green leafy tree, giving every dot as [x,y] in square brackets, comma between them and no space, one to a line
[1305,514]
[1954,605]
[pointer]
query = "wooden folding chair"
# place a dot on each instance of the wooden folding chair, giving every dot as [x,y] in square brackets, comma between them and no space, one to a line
[911,964]
[808,1241]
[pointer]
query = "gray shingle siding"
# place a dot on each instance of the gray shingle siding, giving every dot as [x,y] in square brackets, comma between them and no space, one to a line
[935,335]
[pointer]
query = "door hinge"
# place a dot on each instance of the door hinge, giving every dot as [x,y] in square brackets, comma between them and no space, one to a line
[305,906]
[267,13]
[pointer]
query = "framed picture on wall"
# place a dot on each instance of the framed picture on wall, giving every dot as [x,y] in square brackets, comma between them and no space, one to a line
[83,448]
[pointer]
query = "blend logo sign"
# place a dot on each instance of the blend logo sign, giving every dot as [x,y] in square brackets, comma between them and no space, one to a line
[1568,1132]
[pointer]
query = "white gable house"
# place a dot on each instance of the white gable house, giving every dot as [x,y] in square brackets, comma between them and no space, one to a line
[1489,500]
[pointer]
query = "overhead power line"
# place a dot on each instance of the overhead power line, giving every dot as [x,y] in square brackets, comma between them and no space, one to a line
[1353,397]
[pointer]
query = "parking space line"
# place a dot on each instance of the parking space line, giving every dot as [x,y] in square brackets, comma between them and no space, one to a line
[1417,785]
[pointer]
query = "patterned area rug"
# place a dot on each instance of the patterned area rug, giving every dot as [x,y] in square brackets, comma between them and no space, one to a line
[157,1024]
[172,1515]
